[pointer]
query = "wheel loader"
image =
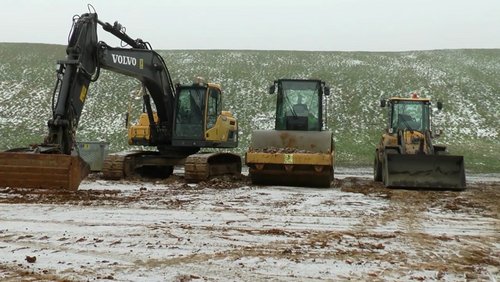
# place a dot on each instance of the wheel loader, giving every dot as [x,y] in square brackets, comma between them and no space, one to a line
[178,120]
[406,156]
[298,152]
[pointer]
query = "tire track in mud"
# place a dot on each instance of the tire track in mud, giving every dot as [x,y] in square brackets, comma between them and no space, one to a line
[357,230]
[445,248]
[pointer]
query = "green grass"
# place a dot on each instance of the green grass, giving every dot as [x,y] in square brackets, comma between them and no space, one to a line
[484,156]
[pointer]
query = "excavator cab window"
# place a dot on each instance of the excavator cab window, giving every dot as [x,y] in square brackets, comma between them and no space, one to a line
[213,107]
[189,113]
[298,105]
[410,115]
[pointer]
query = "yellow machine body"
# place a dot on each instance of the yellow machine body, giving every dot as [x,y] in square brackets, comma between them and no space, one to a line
[294,158]
[406,156]
[298,152]
[140,133]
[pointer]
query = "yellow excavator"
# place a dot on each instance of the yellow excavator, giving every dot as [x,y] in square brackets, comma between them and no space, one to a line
[298,152]
[178,120]
[406,156]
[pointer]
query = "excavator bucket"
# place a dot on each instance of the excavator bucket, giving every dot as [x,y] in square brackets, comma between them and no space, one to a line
[424,171]
[42,171]
[292,158]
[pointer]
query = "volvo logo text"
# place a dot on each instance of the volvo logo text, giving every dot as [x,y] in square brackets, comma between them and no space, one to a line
[124,60]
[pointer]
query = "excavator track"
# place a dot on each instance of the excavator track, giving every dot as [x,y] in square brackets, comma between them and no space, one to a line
[149,164]
[152,164]
[113,166]
[202,166]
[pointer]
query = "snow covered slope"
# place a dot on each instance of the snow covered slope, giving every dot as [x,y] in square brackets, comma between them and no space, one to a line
[465,80]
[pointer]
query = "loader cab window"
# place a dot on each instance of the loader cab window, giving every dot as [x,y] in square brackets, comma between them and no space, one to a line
[410,115]
[189,113]
[214,107]
[299,106]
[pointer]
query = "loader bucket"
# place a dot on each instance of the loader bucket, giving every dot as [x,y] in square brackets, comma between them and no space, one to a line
[424,171]
[42,171]
[292,158]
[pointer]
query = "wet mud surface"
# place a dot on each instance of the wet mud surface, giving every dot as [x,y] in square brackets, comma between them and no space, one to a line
[227,229]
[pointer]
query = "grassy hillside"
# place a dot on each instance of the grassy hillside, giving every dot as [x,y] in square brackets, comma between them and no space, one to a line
[467,81]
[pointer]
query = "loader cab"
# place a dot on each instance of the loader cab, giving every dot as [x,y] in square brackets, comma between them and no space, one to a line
[199,119]
[409,114]
[299,104]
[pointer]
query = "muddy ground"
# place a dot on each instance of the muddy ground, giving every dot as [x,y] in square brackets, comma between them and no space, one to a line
[228,230]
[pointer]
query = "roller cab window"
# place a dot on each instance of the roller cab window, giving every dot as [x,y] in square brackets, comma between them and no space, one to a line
[298,106]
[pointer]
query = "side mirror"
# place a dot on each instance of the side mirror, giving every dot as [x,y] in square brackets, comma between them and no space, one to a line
[382,103]
[327,91]
[272,88]
[440,105]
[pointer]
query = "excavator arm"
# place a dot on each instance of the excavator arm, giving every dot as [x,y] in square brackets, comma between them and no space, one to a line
[85,57]
[73,78]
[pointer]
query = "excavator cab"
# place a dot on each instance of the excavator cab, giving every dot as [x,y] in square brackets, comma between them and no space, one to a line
[199,119]
[298,152]
[198,122]
[406,156]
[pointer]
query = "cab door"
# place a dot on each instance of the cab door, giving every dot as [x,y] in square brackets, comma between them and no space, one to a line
[189,114]
[213,107]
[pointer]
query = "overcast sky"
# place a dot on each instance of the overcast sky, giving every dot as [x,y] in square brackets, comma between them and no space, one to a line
[326,25]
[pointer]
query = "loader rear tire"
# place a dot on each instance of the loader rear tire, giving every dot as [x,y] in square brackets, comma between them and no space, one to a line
[383,169]
[377,170]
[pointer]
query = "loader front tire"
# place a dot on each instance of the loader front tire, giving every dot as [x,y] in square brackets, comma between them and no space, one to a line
[377,169]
